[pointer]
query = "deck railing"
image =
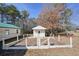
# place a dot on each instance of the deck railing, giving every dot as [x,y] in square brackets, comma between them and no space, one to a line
[38,46]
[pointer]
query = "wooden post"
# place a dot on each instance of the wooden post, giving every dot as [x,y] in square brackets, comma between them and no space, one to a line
[23,36]
[17,37]
[58,37]
[38,42]
[71,42]
[48,42]
[26,41]
[3,43]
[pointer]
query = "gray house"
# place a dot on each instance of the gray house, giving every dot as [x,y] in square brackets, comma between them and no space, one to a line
[8,30]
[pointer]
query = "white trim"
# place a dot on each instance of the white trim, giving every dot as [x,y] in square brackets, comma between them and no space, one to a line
[39,27]
[39,46]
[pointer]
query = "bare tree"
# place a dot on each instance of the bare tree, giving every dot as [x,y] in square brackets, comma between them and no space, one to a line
[50,15]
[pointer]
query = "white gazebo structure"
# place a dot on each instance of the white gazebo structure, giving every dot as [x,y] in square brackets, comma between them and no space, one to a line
[39,31]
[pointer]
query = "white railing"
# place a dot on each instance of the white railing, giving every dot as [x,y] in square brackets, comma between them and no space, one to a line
[5,46]
[38,46]
[49,46]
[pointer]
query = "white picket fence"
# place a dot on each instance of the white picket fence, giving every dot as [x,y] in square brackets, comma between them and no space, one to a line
[39,46]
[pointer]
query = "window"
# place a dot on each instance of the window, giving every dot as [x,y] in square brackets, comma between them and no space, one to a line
[17,31]
[7,32]
[38,31]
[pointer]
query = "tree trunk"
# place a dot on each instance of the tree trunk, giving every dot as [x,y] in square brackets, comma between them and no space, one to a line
[13,20]
[7,19]
[2,20]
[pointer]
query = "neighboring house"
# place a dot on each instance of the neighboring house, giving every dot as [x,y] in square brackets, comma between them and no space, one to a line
[39,31]
[77,29]
[8,29]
